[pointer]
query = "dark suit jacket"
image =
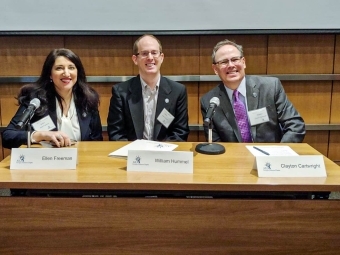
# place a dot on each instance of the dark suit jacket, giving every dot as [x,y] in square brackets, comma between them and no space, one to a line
[126,115]
[90,126]
[285,123]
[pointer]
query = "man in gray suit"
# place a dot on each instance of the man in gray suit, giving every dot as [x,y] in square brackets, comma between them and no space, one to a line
[269,115]
[148,106]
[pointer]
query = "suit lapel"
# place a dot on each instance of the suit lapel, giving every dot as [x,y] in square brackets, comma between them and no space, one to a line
[252,100]
[52,112]
[228,111]
[135,102]
[84,123]
[163,94]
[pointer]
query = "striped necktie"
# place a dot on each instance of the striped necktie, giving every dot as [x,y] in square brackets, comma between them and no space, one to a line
[241,117]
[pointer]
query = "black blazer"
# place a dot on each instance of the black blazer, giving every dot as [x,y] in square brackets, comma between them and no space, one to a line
[285,123]
[126,115]
[90,126]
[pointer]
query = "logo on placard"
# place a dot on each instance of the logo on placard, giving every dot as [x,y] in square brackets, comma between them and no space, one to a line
[21,160]
[267,166]
[137,160]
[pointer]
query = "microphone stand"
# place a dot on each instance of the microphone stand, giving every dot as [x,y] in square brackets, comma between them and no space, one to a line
[210,148]
[29,129]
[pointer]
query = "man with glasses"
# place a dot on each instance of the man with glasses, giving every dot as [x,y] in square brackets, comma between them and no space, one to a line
[148,106]
[252,108]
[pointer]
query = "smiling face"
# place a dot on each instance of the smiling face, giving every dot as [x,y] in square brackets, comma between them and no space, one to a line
[231,74]
[149,59]
[64,75]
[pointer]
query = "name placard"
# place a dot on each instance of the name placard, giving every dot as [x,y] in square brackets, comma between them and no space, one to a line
[160,161]
[44,158]
[291,166]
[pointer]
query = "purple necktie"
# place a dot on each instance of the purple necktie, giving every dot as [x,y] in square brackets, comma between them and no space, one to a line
[241,117]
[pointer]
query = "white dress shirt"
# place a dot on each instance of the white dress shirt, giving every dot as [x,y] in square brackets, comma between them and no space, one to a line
[150,104]
[69,124]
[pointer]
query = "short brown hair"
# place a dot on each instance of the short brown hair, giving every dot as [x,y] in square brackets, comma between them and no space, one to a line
[135,45]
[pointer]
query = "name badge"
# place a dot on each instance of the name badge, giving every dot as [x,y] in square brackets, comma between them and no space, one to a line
[44,124]
[43,158]
[258,116]
[165,117]
[160,161]
[291,166]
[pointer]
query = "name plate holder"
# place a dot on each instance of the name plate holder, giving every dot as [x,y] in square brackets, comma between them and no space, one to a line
[44,158]
[291,166]
[160,161]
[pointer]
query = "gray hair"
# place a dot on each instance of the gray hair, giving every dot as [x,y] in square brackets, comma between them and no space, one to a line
[225,42]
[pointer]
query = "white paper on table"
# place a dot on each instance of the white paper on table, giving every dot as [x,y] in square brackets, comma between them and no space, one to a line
[273,150]
[142,145]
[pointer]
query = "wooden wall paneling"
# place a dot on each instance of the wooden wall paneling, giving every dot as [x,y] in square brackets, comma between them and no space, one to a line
[32,225]
[105,136]
[193,136]
[335,105]
[25,55]
[9,106]
[334,145]
[10,90]
[301,54]
[312,99]
[104,91]
[337,54]
[103,55]
[318,139]
[193,102]
[194,109]
[254,49]
[201,137]
[104,108]
[334,139]
[207,43]
[135,68]
[8,101]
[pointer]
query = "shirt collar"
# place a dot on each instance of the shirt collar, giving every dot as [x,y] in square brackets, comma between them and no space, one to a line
[144,85]
[241,88]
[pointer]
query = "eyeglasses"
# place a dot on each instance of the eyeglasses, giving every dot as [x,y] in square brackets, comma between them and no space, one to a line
[226,62]
[145,54]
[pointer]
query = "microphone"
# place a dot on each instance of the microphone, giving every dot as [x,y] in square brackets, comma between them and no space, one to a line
[28,113]
[210,148]
[214,102]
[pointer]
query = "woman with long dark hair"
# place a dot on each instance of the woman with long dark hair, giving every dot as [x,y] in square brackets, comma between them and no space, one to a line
[68,105]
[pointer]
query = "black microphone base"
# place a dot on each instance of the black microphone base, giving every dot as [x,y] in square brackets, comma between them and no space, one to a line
[210,148]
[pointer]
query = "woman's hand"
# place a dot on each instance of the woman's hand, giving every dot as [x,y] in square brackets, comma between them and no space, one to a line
[57,138]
